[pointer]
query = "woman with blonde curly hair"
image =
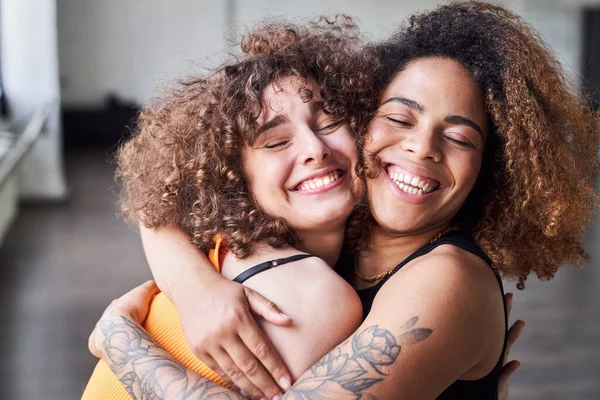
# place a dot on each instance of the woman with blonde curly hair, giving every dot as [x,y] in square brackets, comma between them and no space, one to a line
[474,142]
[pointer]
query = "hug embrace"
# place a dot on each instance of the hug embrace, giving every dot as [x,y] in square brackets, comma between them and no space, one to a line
[331,219]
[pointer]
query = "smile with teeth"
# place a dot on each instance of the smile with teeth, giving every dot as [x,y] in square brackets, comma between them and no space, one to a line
[321,181]
[413,184]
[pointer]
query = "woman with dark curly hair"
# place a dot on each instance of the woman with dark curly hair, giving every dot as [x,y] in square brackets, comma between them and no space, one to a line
[473,129]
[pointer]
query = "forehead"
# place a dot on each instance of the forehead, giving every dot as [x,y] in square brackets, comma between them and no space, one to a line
[439,82]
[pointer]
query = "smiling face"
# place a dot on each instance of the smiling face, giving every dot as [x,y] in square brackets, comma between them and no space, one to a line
[301,166]
[429,134]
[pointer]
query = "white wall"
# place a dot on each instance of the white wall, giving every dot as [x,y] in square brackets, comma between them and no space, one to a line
[129,47]
[377,18]
[559,22]
[30,76]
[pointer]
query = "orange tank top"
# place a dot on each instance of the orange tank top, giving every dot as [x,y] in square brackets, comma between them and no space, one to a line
[164,326]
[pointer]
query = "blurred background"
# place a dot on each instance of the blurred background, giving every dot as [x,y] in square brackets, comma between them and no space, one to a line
[72,76]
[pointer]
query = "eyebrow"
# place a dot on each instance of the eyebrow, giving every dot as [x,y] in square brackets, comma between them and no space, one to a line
[458,120]
[407,102]
[275,122]
[452,119]
[315,107]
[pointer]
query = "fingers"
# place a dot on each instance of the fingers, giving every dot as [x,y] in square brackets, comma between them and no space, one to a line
[504,380]
[255,340]
[507,370]
[92,343]
[137,300]
[512,335]
[212,364]
[131,302]
[229,367]
[145,291]
[252,367]
[266,308]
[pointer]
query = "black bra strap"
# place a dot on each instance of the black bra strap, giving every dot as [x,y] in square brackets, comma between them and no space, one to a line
[257,269]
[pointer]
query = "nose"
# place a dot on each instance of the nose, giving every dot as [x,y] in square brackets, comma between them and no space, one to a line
[314,149]
[423,144]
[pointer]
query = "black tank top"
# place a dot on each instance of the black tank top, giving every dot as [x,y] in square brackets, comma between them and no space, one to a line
[485,388]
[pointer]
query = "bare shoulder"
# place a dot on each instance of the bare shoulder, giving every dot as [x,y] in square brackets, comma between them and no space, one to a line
[233,266]
[446,281]
[453,271]
[456,294]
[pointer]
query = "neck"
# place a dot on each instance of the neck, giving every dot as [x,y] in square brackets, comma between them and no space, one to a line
[388,248]
[326,245]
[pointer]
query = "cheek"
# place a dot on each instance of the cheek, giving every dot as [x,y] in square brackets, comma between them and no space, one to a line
[268,175]
[378,137]
[466,171]
[342,143]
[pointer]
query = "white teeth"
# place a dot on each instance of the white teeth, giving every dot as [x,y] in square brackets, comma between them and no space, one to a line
[319,182]
[409,189]
[410,184]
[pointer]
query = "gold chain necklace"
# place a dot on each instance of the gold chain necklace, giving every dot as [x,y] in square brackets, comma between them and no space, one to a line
[375,278]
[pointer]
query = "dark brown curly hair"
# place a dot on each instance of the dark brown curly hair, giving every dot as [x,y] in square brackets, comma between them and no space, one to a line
[183,164]
[536,193]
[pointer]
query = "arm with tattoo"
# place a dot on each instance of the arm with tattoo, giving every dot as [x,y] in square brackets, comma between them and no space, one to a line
[148,371]
[359,363]
[145,369]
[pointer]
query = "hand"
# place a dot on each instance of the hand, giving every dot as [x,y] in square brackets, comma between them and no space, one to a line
[509,367]
[218,324]
[133,304]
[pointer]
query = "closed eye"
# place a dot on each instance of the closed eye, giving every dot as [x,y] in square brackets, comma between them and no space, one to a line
[398,121]
[277,144]
[459,143]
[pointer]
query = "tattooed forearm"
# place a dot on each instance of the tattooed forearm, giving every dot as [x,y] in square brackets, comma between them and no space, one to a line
[148,371]
[351,368]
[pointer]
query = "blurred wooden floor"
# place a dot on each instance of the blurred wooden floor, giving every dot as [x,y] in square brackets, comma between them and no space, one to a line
[62,264]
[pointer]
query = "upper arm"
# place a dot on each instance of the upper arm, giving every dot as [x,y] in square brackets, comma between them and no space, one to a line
[324,308]
[429,326]
[173,259]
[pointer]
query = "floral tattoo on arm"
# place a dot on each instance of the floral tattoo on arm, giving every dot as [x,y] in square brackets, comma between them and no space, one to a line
[147,371]
[347,374]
